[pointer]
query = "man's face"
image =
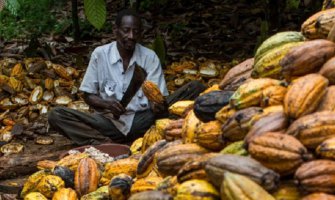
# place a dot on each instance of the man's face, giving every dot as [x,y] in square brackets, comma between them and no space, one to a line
[128,33]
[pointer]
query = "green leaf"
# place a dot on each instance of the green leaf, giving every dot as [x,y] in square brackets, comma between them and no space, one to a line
[292,4]
[95,11]
[13,6]
[159,47]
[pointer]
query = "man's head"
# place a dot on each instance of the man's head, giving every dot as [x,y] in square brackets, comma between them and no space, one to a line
[128,29]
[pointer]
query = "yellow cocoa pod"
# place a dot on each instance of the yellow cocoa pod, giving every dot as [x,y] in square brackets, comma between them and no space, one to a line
[180,107]
[152,92]
[196,190]
[190,125]
[49,185]
[150,137]
[65,194]
[35,196]
[136,146]
[239,187]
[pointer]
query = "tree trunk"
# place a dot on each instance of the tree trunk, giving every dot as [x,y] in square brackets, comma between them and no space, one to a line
[75,21]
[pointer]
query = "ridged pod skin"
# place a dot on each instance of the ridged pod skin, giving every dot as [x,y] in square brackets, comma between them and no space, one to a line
[247,166]
[319,196]
[123,166]
[168,185]
[269,65]
[145,184]
[279,152]
[251,93]
[171,158]
[225,113]
[100,193]
[235,148]
[136,146]
[146,161]
[328,101]
[316,176]
[32,182]
[49,184]
[190,124]
[318,25]
[273,122]
[46,164]
[311,130]
[151,195]
[304,95]
[287,190]
[65,194]
[161,125]
[194,169]
[239,187]
[276,41]
[150,137]
[304,59]
[327,149]
[152,92]
[71,161]
[180,107]
[208,135]
[328,70]
[87,176]
[268,111]
[35,196]
[237,126]
[119,187]
[237,75]
[197,190]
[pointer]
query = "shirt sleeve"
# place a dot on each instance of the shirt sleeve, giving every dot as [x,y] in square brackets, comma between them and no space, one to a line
[155,74]
[90,82]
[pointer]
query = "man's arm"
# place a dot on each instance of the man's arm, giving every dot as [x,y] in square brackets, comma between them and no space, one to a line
[110,104]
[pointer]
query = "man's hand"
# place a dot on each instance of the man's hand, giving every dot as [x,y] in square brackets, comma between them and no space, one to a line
[174,129]
[115,107]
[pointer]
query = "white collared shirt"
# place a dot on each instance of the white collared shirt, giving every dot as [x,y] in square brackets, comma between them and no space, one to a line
[105,77]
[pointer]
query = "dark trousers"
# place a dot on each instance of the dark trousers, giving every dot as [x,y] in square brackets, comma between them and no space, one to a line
[86,128]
